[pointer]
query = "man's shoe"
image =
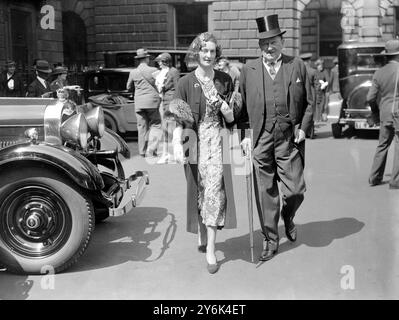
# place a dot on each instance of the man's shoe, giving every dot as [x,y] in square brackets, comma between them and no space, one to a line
[269,250]
[202,248]
[213,268]
[290,230]
[374,182]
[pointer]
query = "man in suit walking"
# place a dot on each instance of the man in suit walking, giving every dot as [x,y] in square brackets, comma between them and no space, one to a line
[383,86]
[40,86]
[277,107]
[146,103]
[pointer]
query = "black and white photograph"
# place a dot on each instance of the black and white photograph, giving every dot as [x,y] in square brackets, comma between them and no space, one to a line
[207,151]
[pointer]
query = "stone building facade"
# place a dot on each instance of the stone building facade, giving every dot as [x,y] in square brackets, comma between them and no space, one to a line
[81,30]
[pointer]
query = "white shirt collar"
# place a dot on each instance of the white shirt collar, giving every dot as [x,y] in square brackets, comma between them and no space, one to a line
[277,64]
[42,81]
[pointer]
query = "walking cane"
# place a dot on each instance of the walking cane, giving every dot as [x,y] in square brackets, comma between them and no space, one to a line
[248,171]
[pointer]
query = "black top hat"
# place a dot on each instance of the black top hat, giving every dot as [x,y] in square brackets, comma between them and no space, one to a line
[268,27]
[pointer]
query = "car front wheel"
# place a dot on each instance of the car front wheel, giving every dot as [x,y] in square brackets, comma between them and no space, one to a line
[46,222]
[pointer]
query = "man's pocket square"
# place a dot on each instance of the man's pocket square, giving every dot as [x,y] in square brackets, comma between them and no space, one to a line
[298,80]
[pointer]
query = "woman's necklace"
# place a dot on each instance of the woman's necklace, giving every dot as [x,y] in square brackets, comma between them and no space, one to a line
[204,78]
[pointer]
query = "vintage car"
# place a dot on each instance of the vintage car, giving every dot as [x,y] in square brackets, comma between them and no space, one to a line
[125,59]
[60,172]
[119,117]
[357,62]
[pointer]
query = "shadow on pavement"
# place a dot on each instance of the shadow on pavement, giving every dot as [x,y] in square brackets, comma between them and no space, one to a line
[14,287]
[128,238]
[312,234]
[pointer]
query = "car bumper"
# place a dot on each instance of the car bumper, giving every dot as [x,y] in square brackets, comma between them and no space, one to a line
[133,190]
[358,123]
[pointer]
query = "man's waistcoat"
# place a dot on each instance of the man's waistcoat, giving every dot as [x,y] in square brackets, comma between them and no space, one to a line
[275,99]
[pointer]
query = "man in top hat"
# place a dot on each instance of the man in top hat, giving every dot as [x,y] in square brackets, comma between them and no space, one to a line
[277,108]
[61,80]
[146,103]
[40,86]
[11,84]
[385,87]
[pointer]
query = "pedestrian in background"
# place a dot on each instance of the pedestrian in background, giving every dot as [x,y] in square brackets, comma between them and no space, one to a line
[146,103]
[11,84]
[224,65]
[166,83]
[277,107]
[322,80]
[306,57]
[383,98]
[39,86]
[61,80]
[210,203]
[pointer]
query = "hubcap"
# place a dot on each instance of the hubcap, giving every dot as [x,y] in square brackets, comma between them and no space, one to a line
[36,221]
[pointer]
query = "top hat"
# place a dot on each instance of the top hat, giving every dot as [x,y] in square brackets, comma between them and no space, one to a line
[164,57]
[306,56]
[268,27]
[141,53]
[391,48]
[43,66]
[60,70]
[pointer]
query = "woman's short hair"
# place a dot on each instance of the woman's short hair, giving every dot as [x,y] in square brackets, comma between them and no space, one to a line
[195,47]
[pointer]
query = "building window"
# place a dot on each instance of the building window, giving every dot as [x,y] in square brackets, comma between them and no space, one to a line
[330,32]
[190,20]
[396,21]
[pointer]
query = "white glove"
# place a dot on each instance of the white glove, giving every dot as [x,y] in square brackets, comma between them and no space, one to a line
[300,136]
[246,146]
[227,112]
[178,152]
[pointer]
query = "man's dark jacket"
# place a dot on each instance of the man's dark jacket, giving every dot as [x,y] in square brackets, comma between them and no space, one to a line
[297,87]
[18,86]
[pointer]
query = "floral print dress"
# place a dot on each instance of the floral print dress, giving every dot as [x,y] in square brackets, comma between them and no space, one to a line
[211,191]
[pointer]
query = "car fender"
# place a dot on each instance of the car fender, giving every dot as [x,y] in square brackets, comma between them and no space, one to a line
[63,159]
[112,141]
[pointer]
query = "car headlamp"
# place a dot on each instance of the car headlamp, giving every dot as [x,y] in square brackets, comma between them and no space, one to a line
[95,121]
[75,129]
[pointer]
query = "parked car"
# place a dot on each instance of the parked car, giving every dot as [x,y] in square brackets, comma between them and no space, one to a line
[125,59]
[357,62]
[119,117]
[60,172]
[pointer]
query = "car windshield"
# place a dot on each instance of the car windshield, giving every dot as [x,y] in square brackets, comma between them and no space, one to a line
[117,81]
[369,61]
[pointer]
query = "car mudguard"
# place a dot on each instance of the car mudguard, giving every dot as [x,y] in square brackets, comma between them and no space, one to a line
[112,141]
[63,159]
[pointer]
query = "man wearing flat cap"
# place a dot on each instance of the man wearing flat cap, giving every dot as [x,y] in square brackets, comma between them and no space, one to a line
[383,98]
[146,103]
[11,84]
[277,108]
[40,86]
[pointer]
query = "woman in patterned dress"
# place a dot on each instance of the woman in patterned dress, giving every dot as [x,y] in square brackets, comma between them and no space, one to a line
[203,114]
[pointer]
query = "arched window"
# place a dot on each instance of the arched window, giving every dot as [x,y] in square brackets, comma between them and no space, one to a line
[74,38]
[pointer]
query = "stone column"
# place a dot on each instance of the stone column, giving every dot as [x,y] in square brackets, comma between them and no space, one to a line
[369,18]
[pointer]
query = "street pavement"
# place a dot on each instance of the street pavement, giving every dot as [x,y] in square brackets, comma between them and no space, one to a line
[347,245]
